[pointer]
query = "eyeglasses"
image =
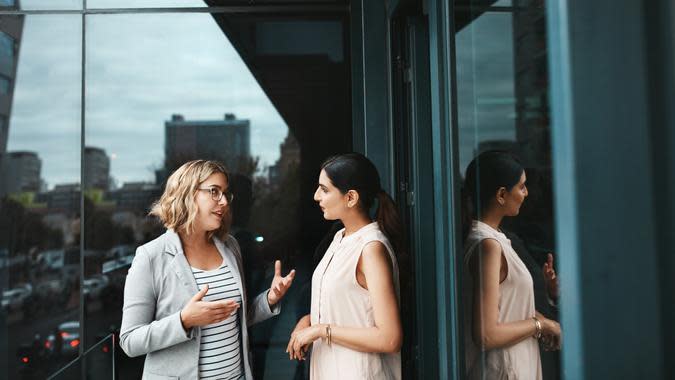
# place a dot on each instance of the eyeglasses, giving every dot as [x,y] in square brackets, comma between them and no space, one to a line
[217,195]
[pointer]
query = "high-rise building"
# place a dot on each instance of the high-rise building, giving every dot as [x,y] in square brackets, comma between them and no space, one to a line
[96,168]
[289,159]
[11,28]
[227,140]
[20,172]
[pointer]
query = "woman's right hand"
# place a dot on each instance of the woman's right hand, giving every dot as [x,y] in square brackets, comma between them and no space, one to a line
[202,313]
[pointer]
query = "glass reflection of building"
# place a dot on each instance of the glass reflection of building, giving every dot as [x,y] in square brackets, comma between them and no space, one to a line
[226,140]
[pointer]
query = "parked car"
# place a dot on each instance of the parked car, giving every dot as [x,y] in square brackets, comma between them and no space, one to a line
[66,342]
[94,285]
[14,299]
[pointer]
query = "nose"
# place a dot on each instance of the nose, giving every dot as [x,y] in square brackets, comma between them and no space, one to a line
[223,200]
[316,195]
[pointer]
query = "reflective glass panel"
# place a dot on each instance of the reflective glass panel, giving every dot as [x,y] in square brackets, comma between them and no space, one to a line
[505,161]
[40,195]
[169,88]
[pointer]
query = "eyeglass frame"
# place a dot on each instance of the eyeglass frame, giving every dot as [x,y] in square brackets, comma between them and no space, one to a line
[229,197]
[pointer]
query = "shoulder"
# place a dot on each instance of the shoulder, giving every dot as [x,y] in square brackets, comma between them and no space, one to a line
[154,248]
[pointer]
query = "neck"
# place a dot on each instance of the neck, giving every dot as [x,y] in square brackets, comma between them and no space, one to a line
[492,219]
[194,240]
[355,222]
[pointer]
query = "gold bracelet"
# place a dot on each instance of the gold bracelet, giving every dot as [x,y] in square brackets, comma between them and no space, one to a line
[328,334]
[537,324]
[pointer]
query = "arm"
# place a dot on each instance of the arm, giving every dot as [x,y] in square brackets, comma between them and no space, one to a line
[260,309]
[487,331]
[386,336]
[140,333]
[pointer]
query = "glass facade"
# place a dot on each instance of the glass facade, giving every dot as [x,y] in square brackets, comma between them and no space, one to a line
[40,192]
[165,89]
[100,100]
[502,105]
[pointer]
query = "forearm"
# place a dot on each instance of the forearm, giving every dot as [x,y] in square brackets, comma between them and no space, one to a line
[499,335]
[365,339]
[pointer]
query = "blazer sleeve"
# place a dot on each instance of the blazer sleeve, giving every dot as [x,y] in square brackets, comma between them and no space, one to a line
[258,310]
[140,333]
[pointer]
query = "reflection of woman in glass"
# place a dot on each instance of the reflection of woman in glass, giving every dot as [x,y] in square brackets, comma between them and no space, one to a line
[354,327]
[184,289]
[501,322]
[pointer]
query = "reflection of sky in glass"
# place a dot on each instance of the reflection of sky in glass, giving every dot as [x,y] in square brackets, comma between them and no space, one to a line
[162,64]
[486,94]
[137,77]
[45,114]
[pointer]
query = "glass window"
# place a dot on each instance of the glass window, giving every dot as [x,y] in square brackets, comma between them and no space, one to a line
[4,85]
[40,197]
[168,88]
[6,3]
[7,53]
[504,130]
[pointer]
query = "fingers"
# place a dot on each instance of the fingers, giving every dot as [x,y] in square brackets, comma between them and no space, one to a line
[277,268]
[200,294]
[289,348]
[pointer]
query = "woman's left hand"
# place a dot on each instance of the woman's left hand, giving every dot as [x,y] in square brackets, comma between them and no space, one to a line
[300,340]
[280,284]
[551,278]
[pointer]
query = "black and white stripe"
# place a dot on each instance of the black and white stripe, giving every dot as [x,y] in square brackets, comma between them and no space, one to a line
[220,349]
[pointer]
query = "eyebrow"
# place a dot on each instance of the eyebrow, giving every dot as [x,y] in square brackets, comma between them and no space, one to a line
[214,185]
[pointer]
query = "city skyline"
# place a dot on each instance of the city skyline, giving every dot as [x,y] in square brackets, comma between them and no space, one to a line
[130,95]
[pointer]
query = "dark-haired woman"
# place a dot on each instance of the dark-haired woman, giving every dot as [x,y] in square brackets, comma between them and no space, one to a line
[499,294]
[354,327]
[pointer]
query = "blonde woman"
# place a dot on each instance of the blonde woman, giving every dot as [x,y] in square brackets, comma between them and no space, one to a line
[184,301]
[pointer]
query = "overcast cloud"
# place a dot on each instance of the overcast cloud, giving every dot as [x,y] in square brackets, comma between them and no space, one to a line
[140,69]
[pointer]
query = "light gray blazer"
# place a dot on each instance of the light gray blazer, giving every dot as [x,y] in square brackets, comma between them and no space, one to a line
[159,284]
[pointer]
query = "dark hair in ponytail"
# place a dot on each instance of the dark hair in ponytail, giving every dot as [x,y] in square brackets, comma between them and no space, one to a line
[353,171]
[484,176]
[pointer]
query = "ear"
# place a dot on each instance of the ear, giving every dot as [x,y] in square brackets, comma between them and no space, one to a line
[352,198]
[501,196]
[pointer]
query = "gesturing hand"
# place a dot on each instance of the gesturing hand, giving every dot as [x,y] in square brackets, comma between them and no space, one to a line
[550,277]
[279,284]
[202,313]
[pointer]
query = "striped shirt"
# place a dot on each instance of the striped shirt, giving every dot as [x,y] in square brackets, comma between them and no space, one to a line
[220,349]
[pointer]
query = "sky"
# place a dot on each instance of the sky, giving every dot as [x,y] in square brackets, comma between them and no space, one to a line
[139,70]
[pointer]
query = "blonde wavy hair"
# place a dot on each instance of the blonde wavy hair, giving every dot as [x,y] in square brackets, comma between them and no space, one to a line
[176,208]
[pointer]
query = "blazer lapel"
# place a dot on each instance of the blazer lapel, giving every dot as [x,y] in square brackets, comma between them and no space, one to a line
[232,262]
[179,265]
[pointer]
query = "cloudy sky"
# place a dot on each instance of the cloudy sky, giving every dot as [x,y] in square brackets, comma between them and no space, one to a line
[140,69]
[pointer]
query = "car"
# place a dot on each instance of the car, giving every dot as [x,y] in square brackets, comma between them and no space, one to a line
[94,285]
[66,342]
[14,299]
